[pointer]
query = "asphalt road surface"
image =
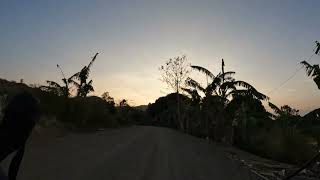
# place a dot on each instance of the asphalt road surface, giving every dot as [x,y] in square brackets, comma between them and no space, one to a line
[135,153]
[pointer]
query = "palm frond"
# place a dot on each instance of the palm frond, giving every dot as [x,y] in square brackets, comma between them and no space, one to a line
[275,108]
[75,76]
[74,83]
[229,85]
[236,93]
[88,88]
[243,84]
[316,70]
[317,81]
[251,90]
[309,68]
[91,62]
[217,81]
[256,94]
[203,70]
[260,96]
[192,92]
[248,91]
[90,82]
[312,71]
[192,83]
[212,87]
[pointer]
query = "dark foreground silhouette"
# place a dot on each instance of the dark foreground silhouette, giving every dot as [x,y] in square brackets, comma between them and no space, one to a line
[19,119]
[134,153]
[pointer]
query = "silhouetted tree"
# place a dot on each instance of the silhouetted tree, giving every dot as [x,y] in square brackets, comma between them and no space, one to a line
[109,100]
[245,113]
[106,96]
[312,71]
[174,74]
[193,93]
[226,88]
[123,103]
[311,125]
[288,118]
[56,88]
[164,110]
[84,87]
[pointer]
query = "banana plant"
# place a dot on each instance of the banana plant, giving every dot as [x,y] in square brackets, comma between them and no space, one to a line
[79,79]
[312,71]
[56,88]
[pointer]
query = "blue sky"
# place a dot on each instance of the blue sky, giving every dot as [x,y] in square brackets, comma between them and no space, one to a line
[263,41]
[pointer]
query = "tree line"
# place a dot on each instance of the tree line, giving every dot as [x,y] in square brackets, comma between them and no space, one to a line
[231,111]
[69,103]
[224,109]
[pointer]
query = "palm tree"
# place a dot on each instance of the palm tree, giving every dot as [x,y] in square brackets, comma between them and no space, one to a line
[224,85]
[83,87]
[211,103]
[223,88]
[216,85]
[312,71]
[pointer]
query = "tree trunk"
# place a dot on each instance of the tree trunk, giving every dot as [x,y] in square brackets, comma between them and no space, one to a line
[178,111]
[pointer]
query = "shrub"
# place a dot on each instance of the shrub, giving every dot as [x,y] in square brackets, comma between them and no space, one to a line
[293,148]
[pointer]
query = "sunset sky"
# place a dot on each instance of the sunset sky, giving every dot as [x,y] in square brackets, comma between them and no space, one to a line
[263,41]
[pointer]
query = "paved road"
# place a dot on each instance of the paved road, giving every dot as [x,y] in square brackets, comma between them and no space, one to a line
[135,153]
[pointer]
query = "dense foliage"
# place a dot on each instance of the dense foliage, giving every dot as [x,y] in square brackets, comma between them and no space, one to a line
[79,110]
[232,112]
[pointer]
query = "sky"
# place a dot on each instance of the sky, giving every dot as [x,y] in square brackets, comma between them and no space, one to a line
[263,41]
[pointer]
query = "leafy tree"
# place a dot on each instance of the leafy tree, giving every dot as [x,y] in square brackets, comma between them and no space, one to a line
[109,100]
[287,117]
[163,111]
[283,111]
[106,96]
[174,72]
